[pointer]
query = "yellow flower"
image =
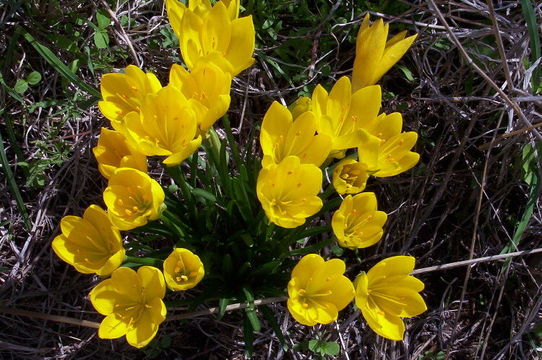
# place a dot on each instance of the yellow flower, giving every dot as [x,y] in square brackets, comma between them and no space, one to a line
[281,136]
[209,85]
[350,177]
[388,152]
[132,303]
[288,191]
[123,93]
[91,243]
[183,270]
[357,223]
[133,198]
[113,152]
[318,290]
[388,293]
[342,115]
[166,126]
[213,33]
[374,54]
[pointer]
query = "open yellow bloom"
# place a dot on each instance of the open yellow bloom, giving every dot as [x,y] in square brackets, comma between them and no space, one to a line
[342,115]
[318,290]
[183,270]
[375,54]
[176,10]
[133,198]
[387,153]
[350,177]
[91,243]
[123,93]
[209,85]
[288,191]
[357,223]
[280,137]
[166,126]
[388,293]
[132,303]
[214,34]
[113,152]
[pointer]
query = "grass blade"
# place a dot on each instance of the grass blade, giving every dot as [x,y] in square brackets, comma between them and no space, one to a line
[59,66]
[13,185]
[534,38]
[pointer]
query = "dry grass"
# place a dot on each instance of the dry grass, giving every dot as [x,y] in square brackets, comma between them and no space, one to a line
[464,200]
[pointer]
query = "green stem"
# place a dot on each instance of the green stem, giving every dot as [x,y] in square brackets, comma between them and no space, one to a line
[144,261]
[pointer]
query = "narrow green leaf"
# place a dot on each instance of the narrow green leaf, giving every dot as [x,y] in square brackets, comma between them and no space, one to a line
[222,304]
[253,318]
[269,316]
[204,194]
[13,185]
[534,38]
[59,66]
[310,249]
[248,333]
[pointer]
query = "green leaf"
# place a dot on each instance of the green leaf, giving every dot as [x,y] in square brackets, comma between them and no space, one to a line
[33,78]
[101,39]
[102,19]
[59,66]
[13,185]
[204,194]
[407,72]
[324,347]
[20,86]
[222,304]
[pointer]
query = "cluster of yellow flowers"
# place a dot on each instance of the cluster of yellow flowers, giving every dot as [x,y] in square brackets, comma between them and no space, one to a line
[151,120]
[297,141]
[171,122]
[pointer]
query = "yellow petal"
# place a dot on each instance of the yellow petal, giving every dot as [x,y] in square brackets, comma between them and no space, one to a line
[242,44]
[385,325]
[112,327]
[152,282]
[103,297]
[395,265]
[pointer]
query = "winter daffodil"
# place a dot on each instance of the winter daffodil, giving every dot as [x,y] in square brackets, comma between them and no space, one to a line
[375,54]
[357,223]
[350,176]
[209,85]
[123,93]
[342,115]
[113,152]
[213,33]
[132,303]
[166,126]
[288,191]
[387,152]
[318,290]
[281,136]
[133,198]
[91,243]
[387,293]
[183,270]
